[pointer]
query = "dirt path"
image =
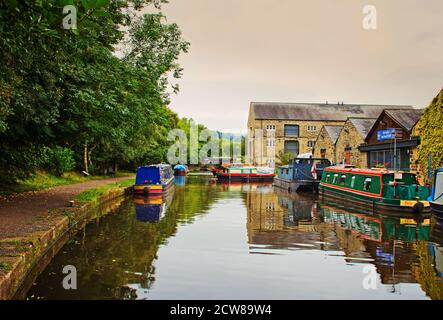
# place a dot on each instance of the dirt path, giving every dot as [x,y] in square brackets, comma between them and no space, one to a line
[21,214]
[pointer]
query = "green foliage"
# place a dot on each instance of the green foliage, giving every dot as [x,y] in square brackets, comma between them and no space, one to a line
[59,160]
[284,158]
[430,131]
[5,266]
[94,194]
[42,180]
[73,88]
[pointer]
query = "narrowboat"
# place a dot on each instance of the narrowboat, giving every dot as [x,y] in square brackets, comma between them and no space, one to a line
[301,174]
[437,195]
[154,179]
[375,190]
[180,170]
[245,174]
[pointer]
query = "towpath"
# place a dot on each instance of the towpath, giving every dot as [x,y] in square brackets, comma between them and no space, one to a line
[25,213]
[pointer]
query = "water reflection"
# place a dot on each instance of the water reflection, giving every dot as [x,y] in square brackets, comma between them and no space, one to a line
[396,246]
[219,241]
[153,208]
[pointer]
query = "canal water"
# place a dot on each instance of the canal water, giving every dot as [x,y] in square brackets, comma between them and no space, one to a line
[212,241]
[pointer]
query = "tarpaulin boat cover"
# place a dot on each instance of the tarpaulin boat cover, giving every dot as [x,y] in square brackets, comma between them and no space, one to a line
[148,175]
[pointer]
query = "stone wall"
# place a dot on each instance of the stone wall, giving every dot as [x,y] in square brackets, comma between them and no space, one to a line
[324,141]
[305,136]
[351,139]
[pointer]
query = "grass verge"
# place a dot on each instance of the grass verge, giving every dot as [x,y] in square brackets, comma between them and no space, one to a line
[42,180]
[92,195]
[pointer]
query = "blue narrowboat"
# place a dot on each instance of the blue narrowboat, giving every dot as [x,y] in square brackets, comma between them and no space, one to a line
[437,195]
[180,170]
[301,174]
[154,179]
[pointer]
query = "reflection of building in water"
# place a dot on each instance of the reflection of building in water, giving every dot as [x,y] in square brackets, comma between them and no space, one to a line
[281,222]
[398,247]
[429,269]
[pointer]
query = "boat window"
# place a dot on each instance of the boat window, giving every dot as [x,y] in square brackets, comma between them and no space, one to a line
[327,177]
[367,184]
[343,180]
[335,178]
[352,181]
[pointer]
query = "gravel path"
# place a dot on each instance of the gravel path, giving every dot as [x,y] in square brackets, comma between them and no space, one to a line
[20,214]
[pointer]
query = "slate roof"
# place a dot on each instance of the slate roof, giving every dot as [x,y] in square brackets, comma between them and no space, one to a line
[406,118]
[333,132]
[363,126]
[316,111]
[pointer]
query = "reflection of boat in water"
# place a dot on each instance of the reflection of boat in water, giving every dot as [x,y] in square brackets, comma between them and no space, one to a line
[255,187]
[152,208]
[376,227]
[180,181]
[377,191]
[298,207]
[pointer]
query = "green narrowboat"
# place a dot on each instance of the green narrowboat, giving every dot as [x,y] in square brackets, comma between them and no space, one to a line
[375,190]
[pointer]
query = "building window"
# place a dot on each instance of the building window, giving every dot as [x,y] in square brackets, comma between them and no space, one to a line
[271,143]
[270,127]
[385,158]
[311,144]
[312,128]
[292,147]
[291,130]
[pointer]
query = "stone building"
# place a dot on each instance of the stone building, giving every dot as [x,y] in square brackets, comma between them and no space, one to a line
[351,136]
[275,128]
[381,152]
[325,144]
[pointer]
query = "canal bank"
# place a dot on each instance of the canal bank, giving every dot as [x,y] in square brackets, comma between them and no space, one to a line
[36,224]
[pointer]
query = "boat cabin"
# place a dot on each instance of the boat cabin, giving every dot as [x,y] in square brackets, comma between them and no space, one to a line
[301,169]
[373,182]
[437,190]
[154,174]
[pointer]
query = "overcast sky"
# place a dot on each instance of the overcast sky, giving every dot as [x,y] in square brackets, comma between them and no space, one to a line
[304,51]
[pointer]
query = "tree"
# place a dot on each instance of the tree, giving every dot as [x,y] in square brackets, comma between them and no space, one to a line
[71,88]
[284,158]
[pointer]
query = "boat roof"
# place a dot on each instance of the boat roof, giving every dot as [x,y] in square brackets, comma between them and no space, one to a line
[373,171]
[161,165]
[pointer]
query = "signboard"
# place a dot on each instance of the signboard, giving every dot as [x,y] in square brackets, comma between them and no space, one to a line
[387,134]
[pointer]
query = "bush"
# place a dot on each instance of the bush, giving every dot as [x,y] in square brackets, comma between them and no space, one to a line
[59,160]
